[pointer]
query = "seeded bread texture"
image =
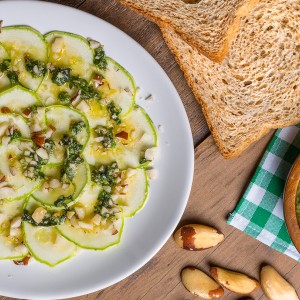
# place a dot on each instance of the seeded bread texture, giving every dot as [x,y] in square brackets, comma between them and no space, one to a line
[208,26]
[257,86]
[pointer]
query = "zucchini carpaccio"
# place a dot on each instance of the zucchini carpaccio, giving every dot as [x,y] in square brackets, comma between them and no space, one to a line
[74,146]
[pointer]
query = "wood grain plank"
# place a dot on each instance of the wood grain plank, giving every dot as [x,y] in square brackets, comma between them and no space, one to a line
[218,184]
[214,195]
[148,35]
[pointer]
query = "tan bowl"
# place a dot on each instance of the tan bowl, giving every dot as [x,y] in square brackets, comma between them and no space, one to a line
[290,203]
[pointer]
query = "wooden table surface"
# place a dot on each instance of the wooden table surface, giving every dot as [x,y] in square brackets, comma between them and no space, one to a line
[218,185]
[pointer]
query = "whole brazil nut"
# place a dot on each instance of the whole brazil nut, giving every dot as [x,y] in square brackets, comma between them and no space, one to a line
[234,281]
[275,286]
[197,237]
[200,284]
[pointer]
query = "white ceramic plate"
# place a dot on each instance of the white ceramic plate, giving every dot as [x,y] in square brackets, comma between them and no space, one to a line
[147,232]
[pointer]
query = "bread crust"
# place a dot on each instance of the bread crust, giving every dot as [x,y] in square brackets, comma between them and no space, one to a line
[171,39]
[215,49]
[256,87]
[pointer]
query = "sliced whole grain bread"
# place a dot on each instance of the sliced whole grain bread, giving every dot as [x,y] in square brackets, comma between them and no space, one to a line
[257,86]
[208,26]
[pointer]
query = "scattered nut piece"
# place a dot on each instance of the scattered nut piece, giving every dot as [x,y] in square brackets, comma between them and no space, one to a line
[199,284]
[96,219]
[152,173]
[13,171]
[39,140]
[79,212]
[85,225]
[23,262]
[16,222]
[21,248]
[233,281]
[70,214]
[94,44]
[83,106]
[48,133]
[74,222]
[5,110]
[54,183]
[57,45]
[41,152]
[107,188]
[35,127]
[39,214]
[122,135]
[26,112]
[149,98]
[275,286]
[15,232]
[151,153]
[197,237]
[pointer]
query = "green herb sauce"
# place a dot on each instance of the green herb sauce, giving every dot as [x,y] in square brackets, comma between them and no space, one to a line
[5,65]
[106,175]
[107,134]
[100,58]
[87,90]
[35,67]
[63,201]
[15,135]
[52,220]
[13,77]
[105,201]
[61,76]
[64,97]
[114,112]
[73,158]
[76,127]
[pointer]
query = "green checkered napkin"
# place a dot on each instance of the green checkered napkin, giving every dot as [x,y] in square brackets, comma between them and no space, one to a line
[260,211]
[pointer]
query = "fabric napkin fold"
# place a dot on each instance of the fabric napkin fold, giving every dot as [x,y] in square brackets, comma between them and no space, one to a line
[260,211]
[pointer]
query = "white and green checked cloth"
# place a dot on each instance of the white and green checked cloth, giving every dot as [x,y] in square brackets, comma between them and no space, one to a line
[260,211]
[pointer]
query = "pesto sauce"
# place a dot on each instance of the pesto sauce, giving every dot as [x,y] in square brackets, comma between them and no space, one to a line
[64,97]
[107,135]
[73,158]
[61,76]
[52,220]
[106,175]
[105,206]
[100,58]
[5,65]
[13,77]
[35,67]
[114,112]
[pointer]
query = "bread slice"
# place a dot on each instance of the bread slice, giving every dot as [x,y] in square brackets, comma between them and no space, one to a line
[257,86]
[208,26]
